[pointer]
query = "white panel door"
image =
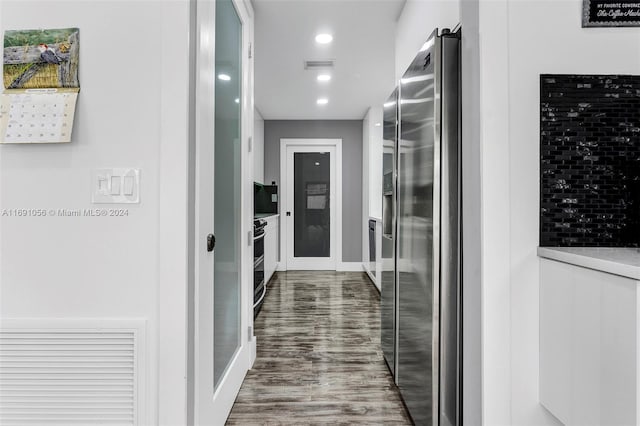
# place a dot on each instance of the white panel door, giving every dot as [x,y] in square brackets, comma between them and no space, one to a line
[312,213]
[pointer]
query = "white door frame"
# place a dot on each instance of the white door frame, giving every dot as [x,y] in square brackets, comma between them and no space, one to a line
[335,202]
[211,408]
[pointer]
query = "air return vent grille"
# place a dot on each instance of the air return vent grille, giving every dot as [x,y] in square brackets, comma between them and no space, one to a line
[319,65]
[68,377]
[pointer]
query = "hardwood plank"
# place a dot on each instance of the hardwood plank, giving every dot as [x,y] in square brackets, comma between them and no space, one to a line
[319,359]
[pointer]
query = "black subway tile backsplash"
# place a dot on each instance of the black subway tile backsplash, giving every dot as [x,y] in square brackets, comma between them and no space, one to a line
[590,160]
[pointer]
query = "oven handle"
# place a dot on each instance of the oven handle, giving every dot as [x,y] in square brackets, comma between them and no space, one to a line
[264,292]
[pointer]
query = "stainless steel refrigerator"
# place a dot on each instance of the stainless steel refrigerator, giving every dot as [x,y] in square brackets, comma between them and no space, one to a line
[421,279]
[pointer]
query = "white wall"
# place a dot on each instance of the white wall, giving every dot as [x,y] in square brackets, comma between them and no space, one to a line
[471,214]
[258,144]
[416,22]
[132,112]
[494,149]
[543,37]
[375,161]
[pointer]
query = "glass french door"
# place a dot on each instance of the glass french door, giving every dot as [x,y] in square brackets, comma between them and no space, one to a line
[228,120]
[222,348]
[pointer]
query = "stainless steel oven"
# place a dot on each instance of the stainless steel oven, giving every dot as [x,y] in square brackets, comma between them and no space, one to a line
[259,285]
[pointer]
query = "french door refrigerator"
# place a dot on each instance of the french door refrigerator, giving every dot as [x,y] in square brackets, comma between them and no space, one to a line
[421,282]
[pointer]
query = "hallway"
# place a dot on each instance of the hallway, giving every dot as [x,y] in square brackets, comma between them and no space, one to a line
[319,359]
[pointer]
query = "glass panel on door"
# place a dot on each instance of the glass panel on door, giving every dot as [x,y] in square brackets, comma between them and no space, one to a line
[226,292]
[311,209]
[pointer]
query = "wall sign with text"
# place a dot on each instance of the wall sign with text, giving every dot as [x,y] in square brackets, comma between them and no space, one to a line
[611,13]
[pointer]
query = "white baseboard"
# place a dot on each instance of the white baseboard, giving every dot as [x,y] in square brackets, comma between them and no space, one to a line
[374,281]
[349,267]
[371,277]
[341,267]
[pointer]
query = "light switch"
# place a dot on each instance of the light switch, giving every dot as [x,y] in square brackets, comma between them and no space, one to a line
[115,185]
[128,185]
[103,184]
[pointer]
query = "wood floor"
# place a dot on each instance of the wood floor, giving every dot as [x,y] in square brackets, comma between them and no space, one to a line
[319,359]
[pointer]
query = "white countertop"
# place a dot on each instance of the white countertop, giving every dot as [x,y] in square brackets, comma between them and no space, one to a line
[613,260]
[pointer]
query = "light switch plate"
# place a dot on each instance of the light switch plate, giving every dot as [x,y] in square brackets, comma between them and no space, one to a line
[115,186]
[129,185]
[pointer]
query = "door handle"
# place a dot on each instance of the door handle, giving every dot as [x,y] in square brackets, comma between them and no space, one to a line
[211,242]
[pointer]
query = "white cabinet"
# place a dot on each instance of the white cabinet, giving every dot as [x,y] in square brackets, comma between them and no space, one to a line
[271,246]
[372,167]
[372,147]
[373,268]
[589,345]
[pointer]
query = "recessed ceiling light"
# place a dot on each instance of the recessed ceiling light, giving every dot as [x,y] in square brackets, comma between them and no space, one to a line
[317,164]
[224,77]
[324,38]
[377,124]
[237,100]
[324,77]
[322,101]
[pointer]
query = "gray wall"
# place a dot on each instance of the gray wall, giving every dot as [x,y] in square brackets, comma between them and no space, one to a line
[350,131]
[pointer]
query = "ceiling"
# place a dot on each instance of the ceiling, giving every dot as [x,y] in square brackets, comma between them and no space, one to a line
[363,49]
